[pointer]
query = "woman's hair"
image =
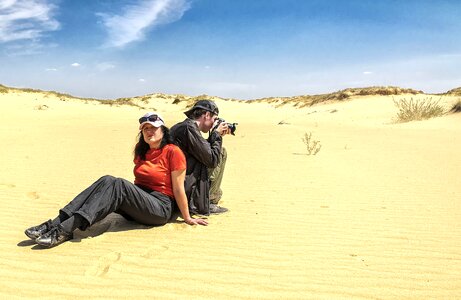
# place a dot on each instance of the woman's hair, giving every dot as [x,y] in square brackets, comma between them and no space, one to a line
[142,147]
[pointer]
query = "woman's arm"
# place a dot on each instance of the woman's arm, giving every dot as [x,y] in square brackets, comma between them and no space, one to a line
[177,180]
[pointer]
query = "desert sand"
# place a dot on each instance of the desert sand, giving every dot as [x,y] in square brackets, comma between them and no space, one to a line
[375,214]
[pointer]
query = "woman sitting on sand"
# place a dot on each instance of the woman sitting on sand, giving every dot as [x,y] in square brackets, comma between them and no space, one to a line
[159,171]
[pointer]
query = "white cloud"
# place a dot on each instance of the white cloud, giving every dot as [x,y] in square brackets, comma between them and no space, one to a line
[139,18]
[29,47]
[142,80]
[226,89]
[51,69]
[367,73]
[76,65]
[26,19]
[104,66]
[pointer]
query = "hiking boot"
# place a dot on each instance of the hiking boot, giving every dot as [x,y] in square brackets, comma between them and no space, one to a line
[57,235]
[216,210]
[37,231]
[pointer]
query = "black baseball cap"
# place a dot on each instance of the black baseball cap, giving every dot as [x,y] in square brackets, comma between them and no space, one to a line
[207,105]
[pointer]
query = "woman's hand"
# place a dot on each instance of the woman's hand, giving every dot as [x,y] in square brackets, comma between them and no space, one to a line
[192,221]
[177,179]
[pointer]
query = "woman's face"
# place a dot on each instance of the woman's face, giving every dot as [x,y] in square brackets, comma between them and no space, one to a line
[152,135]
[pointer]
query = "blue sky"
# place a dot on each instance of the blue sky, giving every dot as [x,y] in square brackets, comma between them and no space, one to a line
[228,48]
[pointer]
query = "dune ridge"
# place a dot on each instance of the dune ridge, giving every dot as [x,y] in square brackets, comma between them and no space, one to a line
[309,99]
[375,214]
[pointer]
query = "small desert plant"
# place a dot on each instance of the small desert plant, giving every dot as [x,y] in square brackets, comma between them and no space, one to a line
[412,110]
[145,99]
[41,107]
[312,146]
[456,107]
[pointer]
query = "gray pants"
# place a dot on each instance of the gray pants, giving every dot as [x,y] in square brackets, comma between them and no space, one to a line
[216,175]
[109,194]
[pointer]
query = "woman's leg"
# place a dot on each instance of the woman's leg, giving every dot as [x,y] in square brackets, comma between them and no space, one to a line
[109,194]
[156,209]
[94,191]
[67,212]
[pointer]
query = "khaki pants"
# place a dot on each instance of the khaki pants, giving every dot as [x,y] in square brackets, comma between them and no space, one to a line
[216,175]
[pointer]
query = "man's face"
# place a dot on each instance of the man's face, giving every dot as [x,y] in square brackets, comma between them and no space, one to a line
[208,121]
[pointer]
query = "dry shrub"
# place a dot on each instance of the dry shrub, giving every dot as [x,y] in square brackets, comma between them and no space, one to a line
[41,107]
[120,101]
[414,110]
[312,146]
[145,99]
[456,107]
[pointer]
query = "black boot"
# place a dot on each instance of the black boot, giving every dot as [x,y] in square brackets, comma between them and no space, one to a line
[57,235]
[37,231]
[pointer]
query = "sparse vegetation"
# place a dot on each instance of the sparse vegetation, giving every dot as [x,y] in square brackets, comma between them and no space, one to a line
[41,107]
[309,100]
[414,110]
[121,101]
[312,146]
[454,92]
[456,107]
[3,89]
[145,99]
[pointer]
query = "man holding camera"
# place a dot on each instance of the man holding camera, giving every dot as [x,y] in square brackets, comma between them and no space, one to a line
[206,158]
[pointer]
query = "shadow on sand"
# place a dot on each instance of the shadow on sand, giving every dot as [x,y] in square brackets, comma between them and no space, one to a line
[112,223]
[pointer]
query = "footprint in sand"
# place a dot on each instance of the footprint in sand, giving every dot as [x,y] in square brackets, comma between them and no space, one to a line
[103,265]
[7,185]
[359,258]
[154,251]
[178,226]
[33,195]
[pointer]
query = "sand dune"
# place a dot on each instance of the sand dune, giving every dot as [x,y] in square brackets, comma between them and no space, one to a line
[376,214]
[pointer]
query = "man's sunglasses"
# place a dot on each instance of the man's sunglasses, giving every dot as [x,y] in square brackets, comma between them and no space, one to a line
[152,118]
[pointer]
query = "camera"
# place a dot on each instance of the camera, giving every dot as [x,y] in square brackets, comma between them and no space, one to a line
[232,126]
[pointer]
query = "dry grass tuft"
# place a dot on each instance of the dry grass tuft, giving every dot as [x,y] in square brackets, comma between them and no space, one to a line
[456,107]
[414,110]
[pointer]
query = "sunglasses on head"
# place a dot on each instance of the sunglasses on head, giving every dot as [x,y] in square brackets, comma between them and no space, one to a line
[152,118]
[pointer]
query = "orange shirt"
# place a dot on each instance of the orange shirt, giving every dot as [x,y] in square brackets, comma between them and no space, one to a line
[155,172]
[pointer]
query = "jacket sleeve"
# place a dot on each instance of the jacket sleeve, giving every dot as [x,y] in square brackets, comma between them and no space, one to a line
[208,152]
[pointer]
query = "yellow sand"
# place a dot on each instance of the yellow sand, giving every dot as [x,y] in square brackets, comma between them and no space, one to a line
[376,214]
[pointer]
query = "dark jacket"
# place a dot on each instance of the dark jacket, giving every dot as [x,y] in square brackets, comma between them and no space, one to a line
[201,154]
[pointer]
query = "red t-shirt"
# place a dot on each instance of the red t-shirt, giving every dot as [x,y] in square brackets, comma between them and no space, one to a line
[155,172]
